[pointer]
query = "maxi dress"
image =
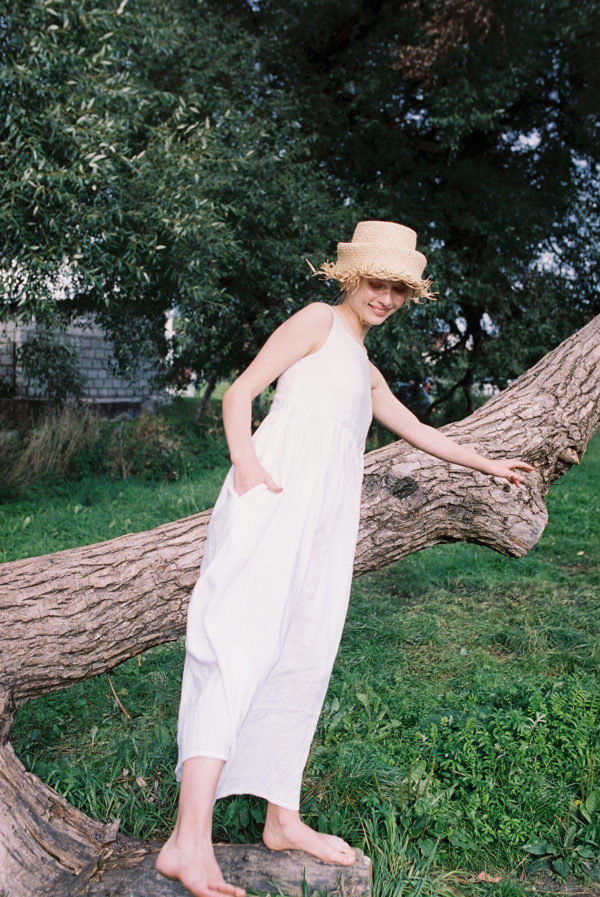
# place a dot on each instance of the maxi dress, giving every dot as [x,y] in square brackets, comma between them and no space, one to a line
[267,612]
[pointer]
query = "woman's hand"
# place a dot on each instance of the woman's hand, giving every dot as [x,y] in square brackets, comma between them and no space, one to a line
[247,476]
[507,467]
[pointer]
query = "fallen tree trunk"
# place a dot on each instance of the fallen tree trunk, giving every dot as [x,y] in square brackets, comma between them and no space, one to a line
[247,865]
[49,848]
[60,612]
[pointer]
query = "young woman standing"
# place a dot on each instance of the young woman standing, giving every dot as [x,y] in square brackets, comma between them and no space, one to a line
[267,613]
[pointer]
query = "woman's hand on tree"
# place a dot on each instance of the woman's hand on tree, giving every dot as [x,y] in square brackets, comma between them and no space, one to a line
[508,468]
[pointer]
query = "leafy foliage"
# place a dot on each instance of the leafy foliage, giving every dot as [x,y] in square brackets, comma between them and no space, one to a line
[90,145]
[70,444]
[137,181]
[476,124]
[52,367]
[191,159]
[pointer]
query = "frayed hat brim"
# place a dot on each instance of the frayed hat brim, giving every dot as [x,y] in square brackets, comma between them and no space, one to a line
[418,288]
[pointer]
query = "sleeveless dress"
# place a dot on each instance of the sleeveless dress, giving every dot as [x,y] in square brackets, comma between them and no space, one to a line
[267,612]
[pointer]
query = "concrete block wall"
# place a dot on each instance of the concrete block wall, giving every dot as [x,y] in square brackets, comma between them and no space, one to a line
[7,354]
[93,352]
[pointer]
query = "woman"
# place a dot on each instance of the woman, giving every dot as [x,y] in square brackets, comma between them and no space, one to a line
[267,612]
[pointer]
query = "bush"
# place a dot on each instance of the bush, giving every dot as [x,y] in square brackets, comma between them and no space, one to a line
[144,449]
[51,368]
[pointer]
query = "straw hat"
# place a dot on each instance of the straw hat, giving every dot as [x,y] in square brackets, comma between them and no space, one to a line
[383,250]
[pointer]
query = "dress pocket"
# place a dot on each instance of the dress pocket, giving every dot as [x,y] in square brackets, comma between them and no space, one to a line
[249,492]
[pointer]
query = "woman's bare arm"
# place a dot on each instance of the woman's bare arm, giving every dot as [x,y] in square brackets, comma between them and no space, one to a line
[397,418]
[300,335]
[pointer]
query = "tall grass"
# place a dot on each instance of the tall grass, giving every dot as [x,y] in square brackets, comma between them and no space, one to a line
[71,443]
[48,447]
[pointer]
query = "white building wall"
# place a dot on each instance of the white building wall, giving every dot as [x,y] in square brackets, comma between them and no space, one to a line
[93,352]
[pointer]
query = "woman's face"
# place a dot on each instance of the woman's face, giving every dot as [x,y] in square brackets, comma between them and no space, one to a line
[375,300]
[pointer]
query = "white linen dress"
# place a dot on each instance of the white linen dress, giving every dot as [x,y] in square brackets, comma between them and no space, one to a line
[266,615]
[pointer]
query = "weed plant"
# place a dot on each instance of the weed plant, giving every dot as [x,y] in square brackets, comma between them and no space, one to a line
[49,446]
[70,444]
[459,739]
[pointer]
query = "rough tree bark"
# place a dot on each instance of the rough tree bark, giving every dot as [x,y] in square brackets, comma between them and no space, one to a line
[60,612]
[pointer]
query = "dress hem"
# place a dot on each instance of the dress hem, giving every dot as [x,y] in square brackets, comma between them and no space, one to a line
[258,792]
[197,755]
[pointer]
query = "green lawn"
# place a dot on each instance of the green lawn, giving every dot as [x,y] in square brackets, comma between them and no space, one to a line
[460,733]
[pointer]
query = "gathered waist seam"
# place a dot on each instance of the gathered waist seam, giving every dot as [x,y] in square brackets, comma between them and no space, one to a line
[327,415]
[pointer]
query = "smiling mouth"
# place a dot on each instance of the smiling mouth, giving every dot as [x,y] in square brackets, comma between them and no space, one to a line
[379,311]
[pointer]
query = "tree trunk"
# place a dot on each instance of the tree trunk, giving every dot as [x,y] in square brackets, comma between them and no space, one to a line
[206,396]
[60,612]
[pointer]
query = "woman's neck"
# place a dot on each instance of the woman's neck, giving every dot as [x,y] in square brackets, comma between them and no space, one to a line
[353,320]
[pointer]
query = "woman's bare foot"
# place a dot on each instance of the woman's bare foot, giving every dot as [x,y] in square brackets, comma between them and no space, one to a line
[284,830]
[195,866]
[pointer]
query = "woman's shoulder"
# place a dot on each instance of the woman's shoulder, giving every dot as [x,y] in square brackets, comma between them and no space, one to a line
[316,311]
[310,326]
[316,315]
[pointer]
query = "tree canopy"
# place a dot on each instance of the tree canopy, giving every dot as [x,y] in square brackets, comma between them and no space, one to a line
[477,124]
[136,177]
[191,155]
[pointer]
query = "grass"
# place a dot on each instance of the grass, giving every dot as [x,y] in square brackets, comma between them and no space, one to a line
[90,510]
[460,733]
[134,476]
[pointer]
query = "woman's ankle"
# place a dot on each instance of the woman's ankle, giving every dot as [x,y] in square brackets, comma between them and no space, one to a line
[186,837]
[281,816]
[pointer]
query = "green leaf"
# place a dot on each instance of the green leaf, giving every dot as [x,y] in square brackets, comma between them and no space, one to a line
[461,840]
[538,848]
[363,699]
[591,805]
[427,847]
[561,867]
